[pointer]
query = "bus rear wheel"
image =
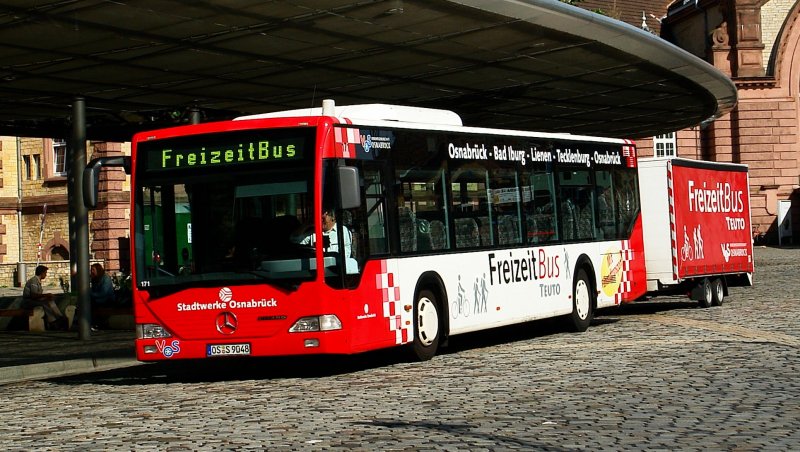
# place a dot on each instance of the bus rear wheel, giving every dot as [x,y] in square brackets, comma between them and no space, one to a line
[582,302]
[426,325]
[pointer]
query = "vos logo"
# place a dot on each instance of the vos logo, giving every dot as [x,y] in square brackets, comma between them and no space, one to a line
[168,349]
[366,142]
[726,251]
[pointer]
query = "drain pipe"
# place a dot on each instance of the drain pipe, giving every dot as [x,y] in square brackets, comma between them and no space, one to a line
[21,270]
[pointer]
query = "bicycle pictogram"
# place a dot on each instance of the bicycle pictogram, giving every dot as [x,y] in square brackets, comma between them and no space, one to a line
[460,305]
[687,253]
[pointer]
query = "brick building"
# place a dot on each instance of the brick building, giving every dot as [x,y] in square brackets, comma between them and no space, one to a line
[34,224]
[755,42]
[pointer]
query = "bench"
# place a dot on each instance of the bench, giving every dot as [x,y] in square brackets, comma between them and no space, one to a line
[35,317]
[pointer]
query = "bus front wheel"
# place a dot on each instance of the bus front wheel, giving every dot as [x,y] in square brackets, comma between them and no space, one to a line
[582,311]
[426,325]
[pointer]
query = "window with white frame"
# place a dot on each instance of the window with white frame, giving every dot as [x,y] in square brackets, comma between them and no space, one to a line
[59,157]
[664,145]
[36,167]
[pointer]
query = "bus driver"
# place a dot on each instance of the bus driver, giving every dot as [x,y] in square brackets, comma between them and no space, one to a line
[330,235]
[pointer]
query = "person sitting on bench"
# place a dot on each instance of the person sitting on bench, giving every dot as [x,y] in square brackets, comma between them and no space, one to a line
[33,295]
[101,291]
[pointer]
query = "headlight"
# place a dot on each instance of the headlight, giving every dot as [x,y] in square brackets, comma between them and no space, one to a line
[317,323]
[151,331]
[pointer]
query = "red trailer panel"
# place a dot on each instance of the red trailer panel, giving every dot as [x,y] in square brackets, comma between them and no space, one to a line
[710,219]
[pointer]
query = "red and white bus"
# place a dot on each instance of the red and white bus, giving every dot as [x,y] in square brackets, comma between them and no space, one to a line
[445,230]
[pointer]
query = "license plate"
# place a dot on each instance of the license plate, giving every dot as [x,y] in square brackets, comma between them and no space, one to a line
[227,349]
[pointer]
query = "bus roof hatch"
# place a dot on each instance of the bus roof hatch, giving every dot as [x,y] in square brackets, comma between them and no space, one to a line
[372,112]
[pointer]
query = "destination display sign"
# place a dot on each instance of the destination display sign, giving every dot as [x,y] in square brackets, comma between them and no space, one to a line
[525,151]
[226,149]
[583,154]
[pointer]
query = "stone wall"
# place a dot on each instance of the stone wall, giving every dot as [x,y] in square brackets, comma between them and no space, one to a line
[55,271]
[773,16]
[765,136]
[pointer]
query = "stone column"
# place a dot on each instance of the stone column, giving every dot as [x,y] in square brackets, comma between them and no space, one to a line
[111,219]
[721,49]
[749,48]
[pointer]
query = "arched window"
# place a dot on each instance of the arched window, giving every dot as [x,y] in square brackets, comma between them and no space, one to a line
[58,252]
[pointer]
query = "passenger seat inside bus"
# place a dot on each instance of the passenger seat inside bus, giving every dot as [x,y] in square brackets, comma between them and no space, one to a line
[467,233]
[508,229]
[438,235]
[408,229]
[423,235]
[569,219]
[485,230]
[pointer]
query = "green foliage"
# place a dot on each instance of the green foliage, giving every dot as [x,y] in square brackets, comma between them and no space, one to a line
[575,3]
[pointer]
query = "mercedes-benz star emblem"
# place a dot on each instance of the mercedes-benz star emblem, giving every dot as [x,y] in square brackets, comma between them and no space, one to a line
[227,323]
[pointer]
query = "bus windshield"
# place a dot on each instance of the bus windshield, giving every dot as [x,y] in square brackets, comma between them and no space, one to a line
[230,222]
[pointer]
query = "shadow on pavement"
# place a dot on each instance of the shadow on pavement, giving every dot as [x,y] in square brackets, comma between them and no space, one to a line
[320,366]
[650,307]
[25,348]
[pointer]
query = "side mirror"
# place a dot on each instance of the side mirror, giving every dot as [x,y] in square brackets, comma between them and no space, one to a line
[349,187]
[91,176]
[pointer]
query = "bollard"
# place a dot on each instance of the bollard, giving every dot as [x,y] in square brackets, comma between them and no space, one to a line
[22,274]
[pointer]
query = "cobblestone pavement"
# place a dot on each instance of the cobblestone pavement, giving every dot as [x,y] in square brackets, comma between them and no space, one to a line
[660,375]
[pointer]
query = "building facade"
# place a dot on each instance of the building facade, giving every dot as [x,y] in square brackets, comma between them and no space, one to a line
[34,222]
[756,43]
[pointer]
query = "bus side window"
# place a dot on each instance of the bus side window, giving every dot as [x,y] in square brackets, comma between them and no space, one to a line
[506,205]
[607,225]
[375,200]
[569,217]
[470,205]
[577,204]
[585,225]
[626,193]
[420,204]
[540,213]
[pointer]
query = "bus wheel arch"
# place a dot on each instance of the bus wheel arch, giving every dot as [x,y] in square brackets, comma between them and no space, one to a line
[583,295]
[430,316]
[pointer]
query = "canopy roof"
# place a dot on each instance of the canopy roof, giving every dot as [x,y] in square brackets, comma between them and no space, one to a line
[536,65]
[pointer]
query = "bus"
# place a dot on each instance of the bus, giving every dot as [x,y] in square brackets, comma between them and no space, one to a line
[429,229]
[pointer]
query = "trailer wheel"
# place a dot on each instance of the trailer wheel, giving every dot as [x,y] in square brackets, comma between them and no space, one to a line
[705,294]
[582,301]
[717,292]
[426,325]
